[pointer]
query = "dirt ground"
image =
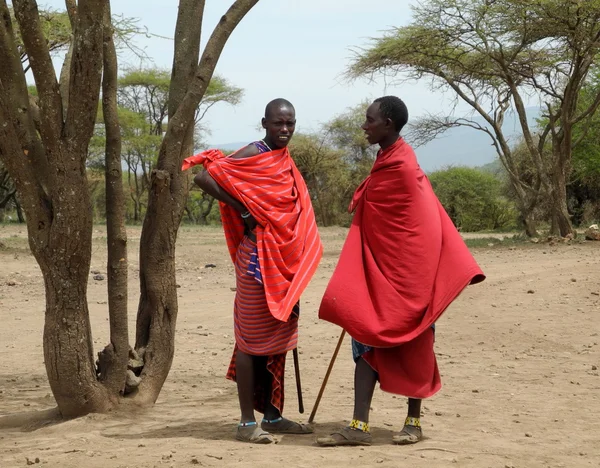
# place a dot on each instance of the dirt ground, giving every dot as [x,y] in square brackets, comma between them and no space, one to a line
[519,357]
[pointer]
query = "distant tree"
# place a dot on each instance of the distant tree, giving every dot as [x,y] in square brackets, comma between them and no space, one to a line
[327,175]
[491,54]
[473,199]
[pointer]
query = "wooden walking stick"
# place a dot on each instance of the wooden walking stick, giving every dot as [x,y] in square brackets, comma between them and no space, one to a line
[298,384]
[333,357]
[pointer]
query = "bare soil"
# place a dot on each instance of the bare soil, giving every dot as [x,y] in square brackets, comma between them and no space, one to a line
[519,357]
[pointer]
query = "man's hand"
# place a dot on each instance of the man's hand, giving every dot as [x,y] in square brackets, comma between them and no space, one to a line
[250,222]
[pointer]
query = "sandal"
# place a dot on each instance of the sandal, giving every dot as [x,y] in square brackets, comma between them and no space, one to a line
[410,434]
[250,432]
[282,425]
[346,436]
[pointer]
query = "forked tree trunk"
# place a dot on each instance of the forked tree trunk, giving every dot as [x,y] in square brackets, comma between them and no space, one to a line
[157,311]
[47,163]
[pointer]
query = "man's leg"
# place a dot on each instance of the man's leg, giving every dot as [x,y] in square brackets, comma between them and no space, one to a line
[248,430]
[244,370]
[358,432]
[365,379]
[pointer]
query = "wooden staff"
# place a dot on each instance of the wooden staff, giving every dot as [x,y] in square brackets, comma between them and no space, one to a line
[298,384]
[333,358]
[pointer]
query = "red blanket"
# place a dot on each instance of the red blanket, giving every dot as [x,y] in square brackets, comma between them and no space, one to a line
[288,242]
[403,262]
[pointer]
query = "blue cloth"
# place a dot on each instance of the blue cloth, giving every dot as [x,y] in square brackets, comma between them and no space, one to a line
[358,349]
[254,266]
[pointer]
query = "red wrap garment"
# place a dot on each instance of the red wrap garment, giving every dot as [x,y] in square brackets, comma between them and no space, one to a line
[273,190]
[402,265]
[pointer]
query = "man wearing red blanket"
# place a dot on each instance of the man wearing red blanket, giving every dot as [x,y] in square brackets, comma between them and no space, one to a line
[274,243]
[402,265]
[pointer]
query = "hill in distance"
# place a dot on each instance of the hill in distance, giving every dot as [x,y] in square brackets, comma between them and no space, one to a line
[460,146]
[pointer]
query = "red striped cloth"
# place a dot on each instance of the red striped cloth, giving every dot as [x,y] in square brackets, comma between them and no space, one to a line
[258,333]
[273,190]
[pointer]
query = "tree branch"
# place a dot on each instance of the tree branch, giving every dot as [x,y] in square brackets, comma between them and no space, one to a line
[27,15]
[183,117]
[118,350]
[25,118]
[86,73]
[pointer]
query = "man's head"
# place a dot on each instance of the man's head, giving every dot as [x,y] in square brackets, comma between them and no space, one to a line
[385,119]
[279,122]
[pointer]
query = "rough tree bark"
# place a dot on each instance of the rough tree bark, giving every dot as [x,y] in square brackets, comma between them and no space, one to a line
[157,311]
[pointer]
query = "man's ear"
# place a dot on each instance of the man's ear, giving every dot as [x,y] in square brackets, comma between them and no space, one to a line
[264,123]
[389,123]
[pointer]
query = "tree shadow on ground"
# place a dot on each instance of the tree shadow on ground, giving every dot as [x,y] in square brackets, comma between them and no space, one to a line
[209,429]
[30,421]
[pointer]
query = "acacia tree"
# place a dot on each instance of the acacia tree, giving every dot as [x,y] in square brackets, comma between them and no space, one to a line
[44,146]
[491,54]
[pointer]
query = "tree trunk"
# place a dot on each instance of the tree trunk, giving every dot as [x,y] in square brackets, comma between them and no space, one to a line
[561,220]
[113,359]
[529,224]
[68,349]
[19,209]
[65,264]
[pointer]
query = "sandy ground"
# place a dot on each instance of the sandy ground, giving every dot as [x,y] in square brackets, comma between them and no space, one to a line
[518,356]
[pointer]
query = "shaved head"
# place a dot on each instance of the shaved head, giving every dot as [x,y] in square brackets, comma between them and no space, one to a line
[277,104]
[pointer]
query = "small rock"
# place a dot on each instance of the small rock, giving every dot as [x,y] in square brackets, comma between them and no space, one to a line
[11,283]
[531,291]
[438,413]
[573,280]
[99,277]
[210,265]
[592,233]
[380,460]
[132,381]
[475,391]
[594,367]
[528,434]
[95,272]
[195,461]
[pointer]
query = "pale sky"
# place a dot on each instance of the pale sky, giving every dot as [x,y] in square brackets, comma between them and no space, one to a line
[296,49]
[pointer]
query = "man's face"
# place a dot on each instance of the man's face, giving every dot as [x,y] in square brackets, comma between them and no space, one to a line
[376,126]
[280,125]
